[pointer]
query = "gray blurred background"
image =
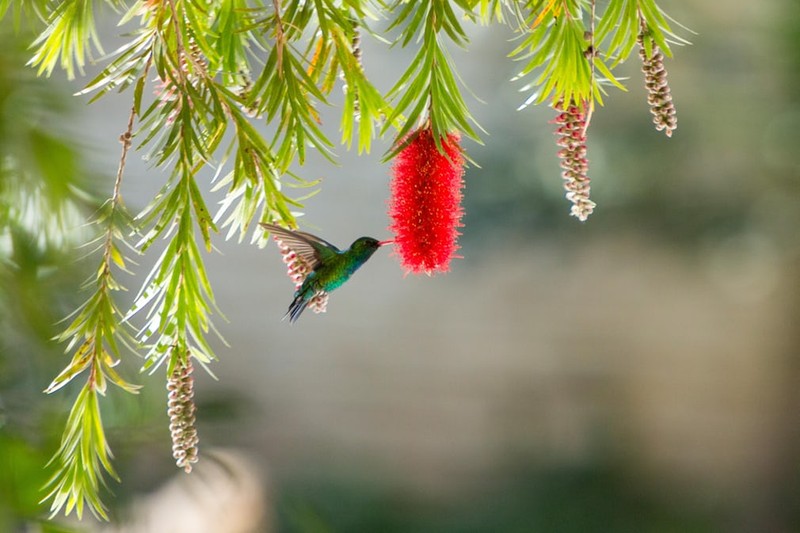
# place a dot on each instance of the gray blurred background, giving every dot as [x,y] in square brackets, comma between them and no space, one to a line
[638,372]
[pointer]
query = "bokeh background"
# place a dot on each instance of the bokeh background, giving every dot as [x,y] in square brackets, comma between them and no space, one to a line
[638,372]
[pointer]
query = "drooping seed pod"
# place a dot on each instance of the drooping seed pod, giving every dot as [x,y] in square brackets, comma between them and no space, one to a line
[655,80]
[571,132]
[181,409]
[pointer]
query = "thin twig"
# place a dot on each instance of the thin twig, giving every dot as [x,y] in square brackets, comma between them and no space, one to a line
[356,47]
[116,196]
[180,49]
[279,36]
[592,53]
[126,140]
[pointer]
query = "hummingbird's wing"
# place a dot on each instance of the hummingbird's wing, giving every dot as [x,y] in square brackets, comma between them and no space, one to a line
[310,248]
[302,253]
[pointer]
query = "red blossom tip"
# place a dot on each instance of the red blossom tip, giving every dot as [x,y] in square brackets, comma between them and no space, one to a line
[425,206]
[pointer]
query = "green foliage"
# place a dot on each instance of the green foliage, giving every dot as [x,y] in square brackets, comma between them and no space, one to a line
[41,187]
[43,200]
[428,89]
[221,68]
[623,21]
[83,455]
[21,477]
[23,11]
[97,332]
[70,33]
[559,49]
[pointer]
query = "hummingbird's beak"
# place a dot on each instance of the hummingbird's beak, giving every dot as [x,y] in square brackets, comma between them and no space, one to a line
[384,243]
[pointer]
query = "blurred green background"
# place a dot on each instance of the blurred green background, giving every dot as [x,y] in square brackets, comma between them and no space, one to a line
[638,372]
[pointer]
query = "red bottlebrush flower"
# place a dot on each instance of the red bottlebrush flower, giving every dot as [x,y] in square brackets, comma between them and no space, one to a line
[425,207]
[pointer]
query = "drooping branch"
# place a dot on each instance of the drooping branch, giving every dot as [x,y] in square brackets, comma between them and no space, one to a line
[97,330]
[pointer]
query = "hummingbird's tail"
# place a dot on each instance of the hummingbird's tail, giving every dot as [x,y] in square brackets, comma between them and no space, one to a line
[296,308]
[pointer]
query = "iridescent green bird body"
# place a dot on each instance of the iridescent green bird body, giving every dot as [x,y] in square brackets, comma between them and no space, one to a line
[317,266]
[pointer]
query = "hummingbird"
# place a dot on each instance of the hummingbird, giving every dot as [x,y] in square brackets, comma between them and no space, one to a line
[318,267]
